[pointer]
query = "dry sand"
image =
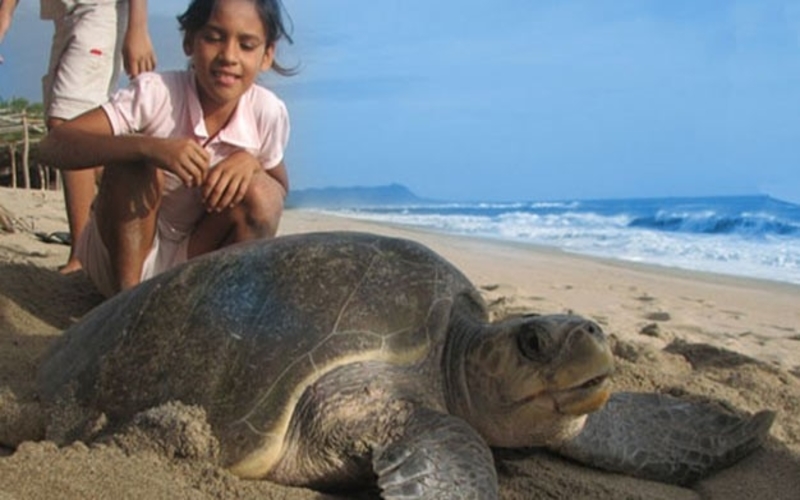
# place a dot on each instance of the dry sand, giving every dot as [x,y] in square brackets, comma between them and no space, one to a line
[734,340]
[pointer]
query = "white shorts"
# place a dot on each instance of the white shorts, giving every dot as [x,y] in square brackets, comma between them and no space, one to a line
[165,253]
[85,59]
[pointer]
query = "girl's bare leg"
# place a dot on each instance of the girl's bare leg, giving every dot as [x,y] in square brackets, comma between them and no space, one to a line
[256,217]
[126,214]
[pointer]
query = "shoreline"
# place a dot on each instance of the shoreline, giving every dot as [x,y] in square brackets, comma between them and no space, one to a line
[734,238]
[711,276]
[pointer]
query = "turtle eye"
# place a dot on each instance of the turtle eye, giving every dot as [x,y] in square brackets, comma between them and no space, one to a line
[532,342]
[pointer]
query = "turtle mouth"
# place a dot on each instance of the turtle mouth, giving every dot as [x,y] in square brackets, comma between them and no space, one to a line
[584,398]
[593,382]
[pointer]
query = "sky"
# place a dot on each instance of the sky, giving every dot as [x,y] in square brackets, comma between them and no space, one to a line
[518,100]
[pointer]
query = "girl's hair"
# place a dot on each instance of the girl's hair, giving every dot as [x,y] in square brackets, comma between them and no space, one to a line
[199,12]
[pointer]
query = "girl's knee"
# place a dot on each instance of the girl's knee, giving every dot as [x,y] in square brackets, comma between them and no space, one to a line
[131,189]
[262,206]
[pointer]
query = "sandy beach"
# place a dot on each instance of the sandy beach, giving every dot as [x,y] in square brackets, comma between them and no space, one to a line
[731,339]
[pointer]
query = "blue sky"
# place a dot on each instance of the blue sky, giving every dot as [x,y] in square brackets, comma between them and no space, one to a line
[521,99]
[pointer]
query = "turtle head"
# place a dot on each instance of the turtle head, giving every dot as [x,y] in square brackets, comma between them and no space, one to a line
[531,380]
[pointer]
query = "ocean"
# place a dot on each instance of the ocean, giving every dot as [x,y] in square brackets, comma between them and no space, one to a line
[751,236]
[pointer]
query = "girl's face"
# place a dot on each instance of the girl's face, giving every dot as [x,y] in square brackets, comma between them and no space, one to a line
[228,53]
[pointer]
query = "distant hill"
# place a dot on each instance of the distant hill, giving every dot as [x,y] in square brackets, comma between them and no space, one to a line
[357,196]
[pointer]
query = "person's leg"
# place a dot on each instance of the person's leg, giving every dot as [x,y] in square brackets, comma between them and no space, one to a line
[256,217]
[84,68]
[79,191]
[126,211]
[80,187]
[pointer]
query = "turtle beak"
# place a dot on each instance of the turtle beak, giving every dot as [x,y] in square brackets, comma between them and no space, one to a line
[582,378]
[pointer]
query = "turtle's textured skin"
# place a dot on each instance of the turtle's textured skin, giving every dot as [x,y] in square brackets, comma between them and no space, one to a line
[335,360]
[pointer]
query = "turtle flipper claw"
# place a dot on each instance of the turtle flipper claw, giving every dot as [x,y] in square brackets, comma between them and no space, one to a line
[667,439]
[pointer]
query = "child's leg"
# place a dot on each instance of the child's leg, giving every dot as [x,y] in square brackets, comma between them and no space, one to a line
[84,68]
[79,191]
[126,212]
[257,216]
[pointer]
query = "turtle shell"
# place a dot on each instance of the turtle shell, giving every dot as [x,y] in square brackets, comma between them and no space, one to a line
[243,331]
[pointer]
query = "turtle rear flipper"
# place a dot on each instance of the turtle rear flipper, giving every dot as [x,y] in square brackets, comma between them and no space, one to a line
[437,457]
[664,438]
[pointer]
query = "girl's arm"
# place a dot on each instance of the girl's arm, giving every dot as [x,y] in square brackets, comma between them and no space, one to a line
[88,140]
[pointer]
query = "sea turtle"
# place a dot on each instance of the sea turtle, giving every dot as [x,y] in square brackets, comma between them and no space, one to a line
[338,360]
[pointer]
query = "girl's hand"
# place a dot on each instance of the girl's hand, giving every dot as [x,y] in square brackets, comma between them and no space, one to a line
[226,184]
[184,158]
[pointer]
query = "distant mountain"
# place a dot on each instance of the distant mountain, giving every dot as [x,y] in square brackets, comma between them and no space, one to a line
[357,196]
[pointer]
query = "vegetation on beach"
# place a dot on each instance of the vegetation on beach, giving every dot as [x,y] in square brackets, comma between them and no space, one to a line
[22,125]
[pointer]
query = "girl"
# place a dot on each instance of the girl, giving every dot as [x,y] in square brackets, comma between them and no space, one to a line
[194,159]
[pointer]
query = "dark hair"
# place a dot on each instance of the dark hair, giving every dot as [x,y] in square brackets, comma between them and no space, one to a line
[199,12]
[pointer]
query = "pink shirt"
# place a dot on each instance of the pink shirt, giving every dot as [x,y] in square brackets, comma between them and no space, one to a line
[166,105]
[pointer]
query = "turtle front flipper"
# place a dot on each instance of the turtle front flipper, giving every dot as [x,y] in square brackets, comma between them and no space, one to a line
[664,438]
[437,457]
